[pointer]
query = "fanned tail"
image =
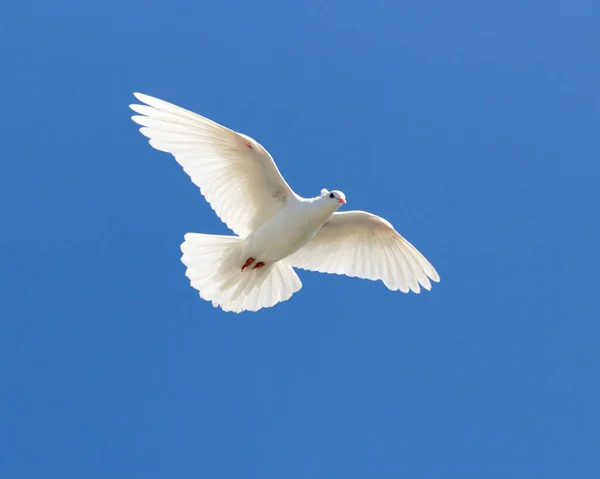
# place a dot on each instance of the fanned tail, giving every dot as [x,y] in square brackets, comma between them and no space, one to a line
[214,269]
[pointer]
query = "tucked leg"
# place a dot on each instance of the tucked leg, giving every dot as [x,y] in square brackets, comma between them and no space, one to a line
[248,262]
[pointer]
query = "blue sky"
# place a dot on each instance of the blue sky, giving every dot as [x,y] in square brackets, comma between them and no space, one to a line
[472,127]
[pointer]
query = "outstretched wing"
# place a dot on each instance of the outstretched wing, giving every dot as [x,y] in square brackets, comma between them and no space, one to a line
[236,174]
[357,243]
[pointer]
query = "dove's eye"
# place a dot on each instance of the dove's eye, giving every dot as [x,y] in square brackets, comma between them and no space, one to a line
[331,195]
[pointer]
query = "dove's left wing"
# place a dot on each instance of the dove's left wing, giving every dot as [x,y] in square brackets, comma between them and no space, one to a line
[236,174]
[357,243]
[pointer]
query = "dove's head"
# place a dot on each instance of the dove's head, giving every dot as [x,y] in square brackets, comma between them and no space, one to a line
[334,196]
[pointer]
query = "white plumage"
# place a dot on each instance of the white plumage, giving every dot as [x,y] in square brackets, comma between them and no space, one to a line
[276,230]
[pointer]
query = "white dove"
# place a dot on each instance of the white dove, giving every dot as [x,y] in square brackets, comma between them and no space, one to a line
[276,229]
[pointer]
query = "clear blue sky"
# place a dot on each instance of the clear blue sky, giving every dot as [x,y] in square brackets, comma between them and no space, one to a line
[472,127]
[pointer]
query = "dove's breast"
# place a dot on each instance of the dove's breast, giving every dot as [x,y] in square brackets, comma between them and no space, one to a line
[286,232]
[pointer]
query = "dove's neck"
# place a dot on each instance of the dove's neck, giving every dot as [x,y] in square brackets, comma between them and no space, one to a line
[321,208]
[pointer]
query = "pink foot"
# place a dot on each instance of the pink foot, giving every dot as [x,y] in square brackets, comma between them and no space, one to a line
[260,264]
[248,262]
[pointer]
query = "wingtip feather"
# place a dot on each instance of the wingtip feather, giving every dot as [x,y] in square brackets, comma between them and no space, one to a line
[141,96]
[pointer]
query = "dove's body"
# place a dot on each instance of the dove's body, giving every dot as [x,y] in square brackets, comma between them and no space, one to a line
[288,231]
[275,228]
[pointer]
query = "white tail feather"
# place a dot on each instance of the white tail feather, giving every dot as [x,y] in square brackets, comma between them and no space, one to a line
[214,269]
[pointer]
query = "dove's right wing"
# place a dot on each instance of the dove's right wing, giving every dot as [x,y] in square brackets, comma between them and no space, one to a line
[236,174]
[356,243]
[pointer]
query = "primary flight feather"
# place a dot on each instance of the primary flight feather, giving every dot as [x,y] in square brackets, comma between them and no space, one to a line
[276,230]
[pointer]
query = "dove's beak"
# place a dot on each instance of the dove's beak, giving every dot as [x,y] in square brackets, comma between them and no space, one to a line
[341,201]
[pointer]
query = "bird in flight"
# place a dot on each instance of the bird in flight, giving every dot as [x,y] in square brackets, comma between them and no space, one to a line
[275,229]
